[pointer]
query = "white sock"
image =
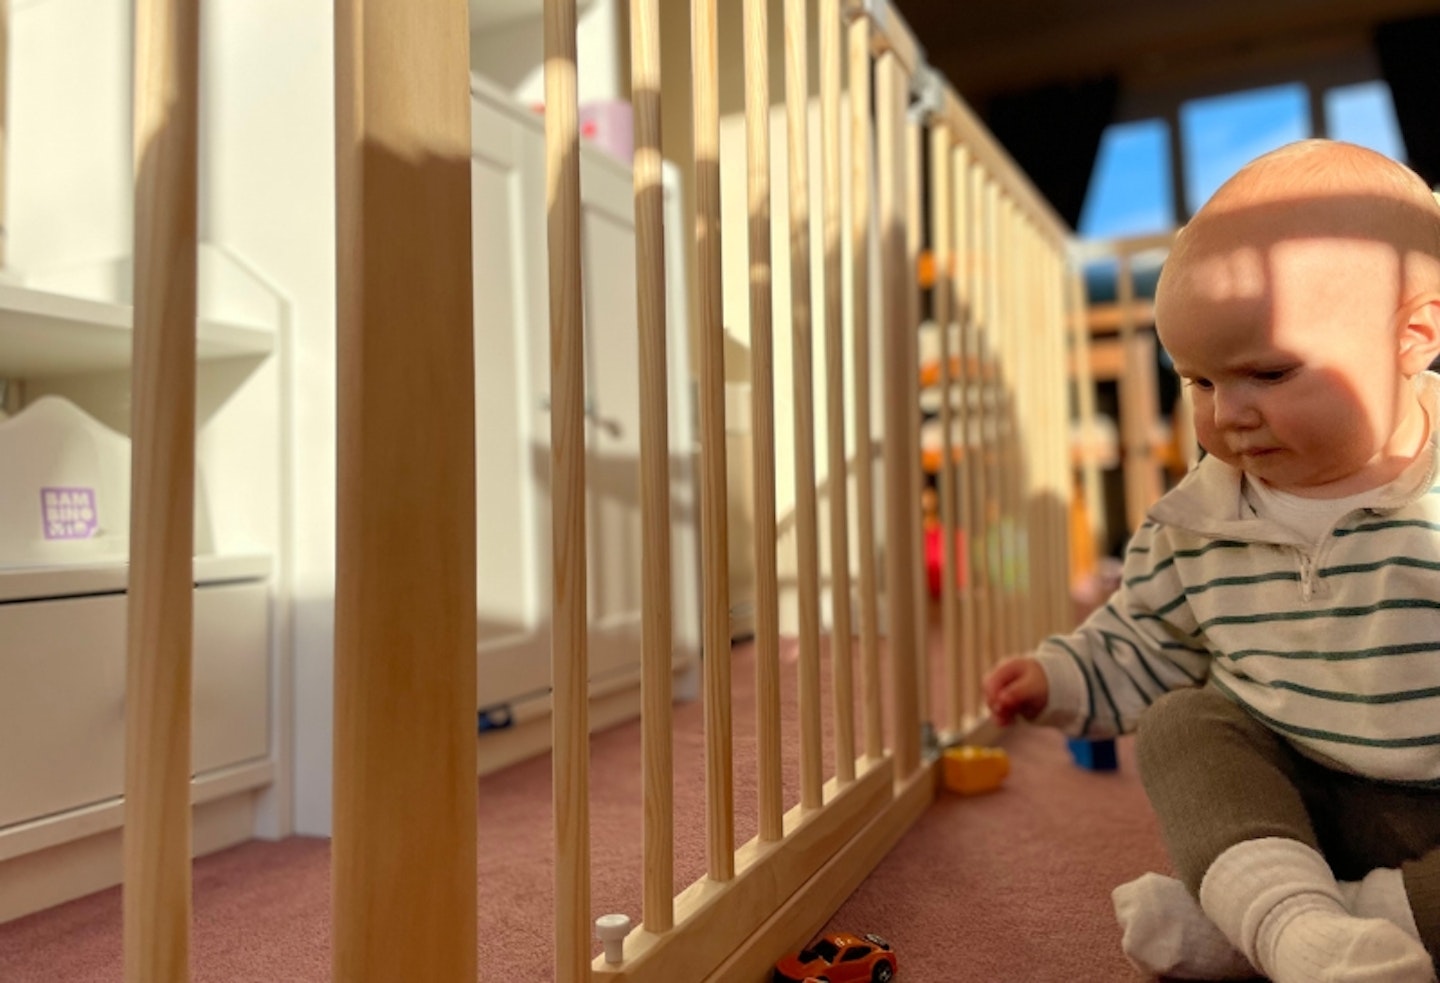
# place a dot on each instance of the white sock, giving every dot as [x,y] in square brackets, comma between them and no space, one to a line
[1381,894]
[1166,933]
[1276,900]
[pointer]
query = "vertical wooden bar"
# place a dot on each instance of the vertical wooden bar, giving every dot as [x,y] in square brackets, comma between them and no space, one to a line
[405,558]
[797,109]
[895,280]
[1084,383]
[569,654]
[1010,440]
[156,852]
[762,420]
[942,212]
[657,748]
[915,469]
[994,423]
[1064,428]
[1137,402]
[860,153]
[719,753]
[962,293]
[977,399]
[1034,399]
[841,644]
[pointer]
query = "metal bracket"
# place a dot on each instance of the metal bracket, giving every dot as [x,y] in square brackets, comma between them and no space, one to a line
[928,90]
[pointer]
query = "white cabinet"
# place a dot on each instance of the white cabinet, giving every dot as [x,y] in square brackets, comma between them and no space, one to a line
[63,589]
[513,423]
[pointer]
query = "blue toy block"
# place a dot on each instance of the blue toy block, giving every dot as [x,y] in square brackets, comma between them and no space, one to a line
[1094,755]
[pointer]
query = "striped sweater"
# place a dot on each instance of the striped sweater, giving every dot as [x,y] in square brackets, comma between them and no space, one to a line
[1336,645]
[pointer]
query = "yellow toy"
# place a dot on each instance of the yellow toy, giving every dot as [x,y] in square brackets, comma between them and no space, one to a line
[971,770]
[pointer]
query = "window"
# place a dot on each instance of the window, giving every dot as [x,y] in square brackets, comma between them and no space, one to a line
[1130,188]
[1221,133]
[1364,114]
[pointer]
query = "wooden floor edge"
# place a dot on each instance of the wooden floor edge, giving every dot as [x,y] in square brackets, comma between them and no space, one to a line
[798,920]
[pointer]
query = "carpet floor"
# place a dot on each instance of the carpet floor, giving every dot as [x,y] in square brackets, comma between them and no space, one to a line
[1008,887]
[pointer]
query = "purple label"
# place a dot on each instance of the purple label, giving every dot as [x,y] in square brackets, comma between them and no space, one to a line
[68,513]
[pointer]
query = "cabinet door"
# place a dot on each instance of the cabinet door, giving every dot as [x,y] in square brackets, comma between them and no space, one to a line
[62,695]
[512,537]
[513,408]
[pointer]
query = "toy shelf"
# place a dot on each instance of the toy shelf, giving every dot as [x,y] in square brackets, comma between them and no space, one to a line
[47,334]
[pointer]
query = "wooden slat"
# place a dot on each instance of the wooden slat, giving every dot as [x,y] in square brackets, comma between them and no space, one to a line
[994,422]
[657,746]
[841,646]
[404,845]
[963,298]
[1137,403]
[890,96]
[797,118]
[762,420]
[942,213]
[910,326]
[160,605]
[1075,306]
[861,149]
[978,471]
[569,653]
[715,627]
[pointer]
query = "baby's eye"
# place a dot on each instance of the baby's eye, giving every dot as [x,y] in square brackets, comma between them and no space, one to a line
[1202,384]
[1272,375]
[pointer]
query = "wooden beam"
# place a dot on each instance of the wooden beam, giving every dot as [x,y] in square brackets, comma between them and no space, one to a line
[715,627]
[404,844]
[762,421]
[160,601]
[657,638]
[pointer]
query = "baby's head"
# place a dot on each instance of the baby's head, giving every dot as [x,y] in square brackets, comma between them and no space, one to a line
[1300,302]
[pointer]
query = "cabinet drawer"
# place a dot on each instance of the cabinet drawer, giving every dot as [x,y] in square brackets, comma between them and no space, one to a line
[62,684]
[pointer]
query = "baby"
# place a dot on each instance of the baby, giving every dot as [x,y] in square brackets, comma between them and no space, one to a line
[1275,642]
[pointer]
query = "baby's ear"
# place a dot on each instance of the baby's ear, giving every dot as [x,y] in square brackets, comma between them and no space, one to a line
[1420,335]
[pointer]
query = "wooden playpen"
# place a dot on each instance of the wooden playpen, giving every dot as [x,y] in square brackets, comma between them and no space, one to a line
[924,174]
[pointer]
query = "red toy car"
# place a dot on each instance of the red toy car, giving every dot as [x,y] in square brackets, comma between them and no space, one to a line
[839,957]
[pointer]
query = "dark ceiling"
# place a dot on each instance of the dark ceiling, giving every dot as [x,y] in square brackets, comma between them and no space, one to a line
[987,47]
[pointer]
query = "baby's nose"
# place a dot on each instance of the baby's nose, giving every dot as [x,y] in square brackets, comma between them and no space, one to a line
[1233,408]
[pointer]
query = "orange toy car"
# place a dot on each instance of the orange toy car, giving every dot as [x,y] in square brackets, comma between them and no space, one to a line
[839,957]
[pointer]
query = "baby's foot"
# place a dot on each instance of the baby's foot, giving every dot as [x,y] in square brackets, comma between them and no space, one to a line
[1166,933]
[1329,947]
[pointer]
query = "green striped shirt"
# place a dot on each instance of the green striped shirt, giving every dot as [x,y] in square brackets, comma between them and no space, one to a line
[1335,645]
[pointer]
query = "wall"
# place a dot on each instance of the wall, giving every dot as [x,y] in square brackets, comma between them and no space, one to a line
[270,168]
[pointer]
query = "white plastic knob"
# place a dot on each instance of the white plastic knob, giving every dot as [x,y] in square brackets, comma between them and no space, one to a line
[612,930]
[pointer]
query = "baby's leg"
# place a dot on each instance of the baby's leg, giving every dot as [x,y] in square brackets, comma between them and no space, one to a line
[1217,777]
[1229,796]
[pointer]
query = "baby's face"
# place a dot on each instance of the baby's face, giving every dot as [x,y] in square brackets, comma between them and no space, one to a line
[1291,351]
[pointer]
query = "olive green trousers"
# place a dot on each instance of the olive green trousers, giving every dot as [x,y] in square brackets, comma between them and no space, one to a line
[1216,777]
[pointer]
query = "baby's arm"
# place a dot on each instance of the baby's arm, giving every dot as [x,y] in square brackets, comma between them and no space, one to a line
[1016,687]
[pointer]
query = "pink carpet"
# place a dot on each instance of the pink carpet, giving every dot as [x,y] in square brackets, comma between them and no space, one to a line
[1010,887]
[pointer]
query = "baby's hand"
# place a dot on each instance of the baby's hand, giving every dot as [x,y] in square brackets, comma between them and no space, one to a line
[1016,687]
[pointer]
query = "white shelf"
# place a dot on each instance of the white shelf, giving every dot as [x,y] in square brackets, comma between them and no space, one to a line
[47,334]
[110,576]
